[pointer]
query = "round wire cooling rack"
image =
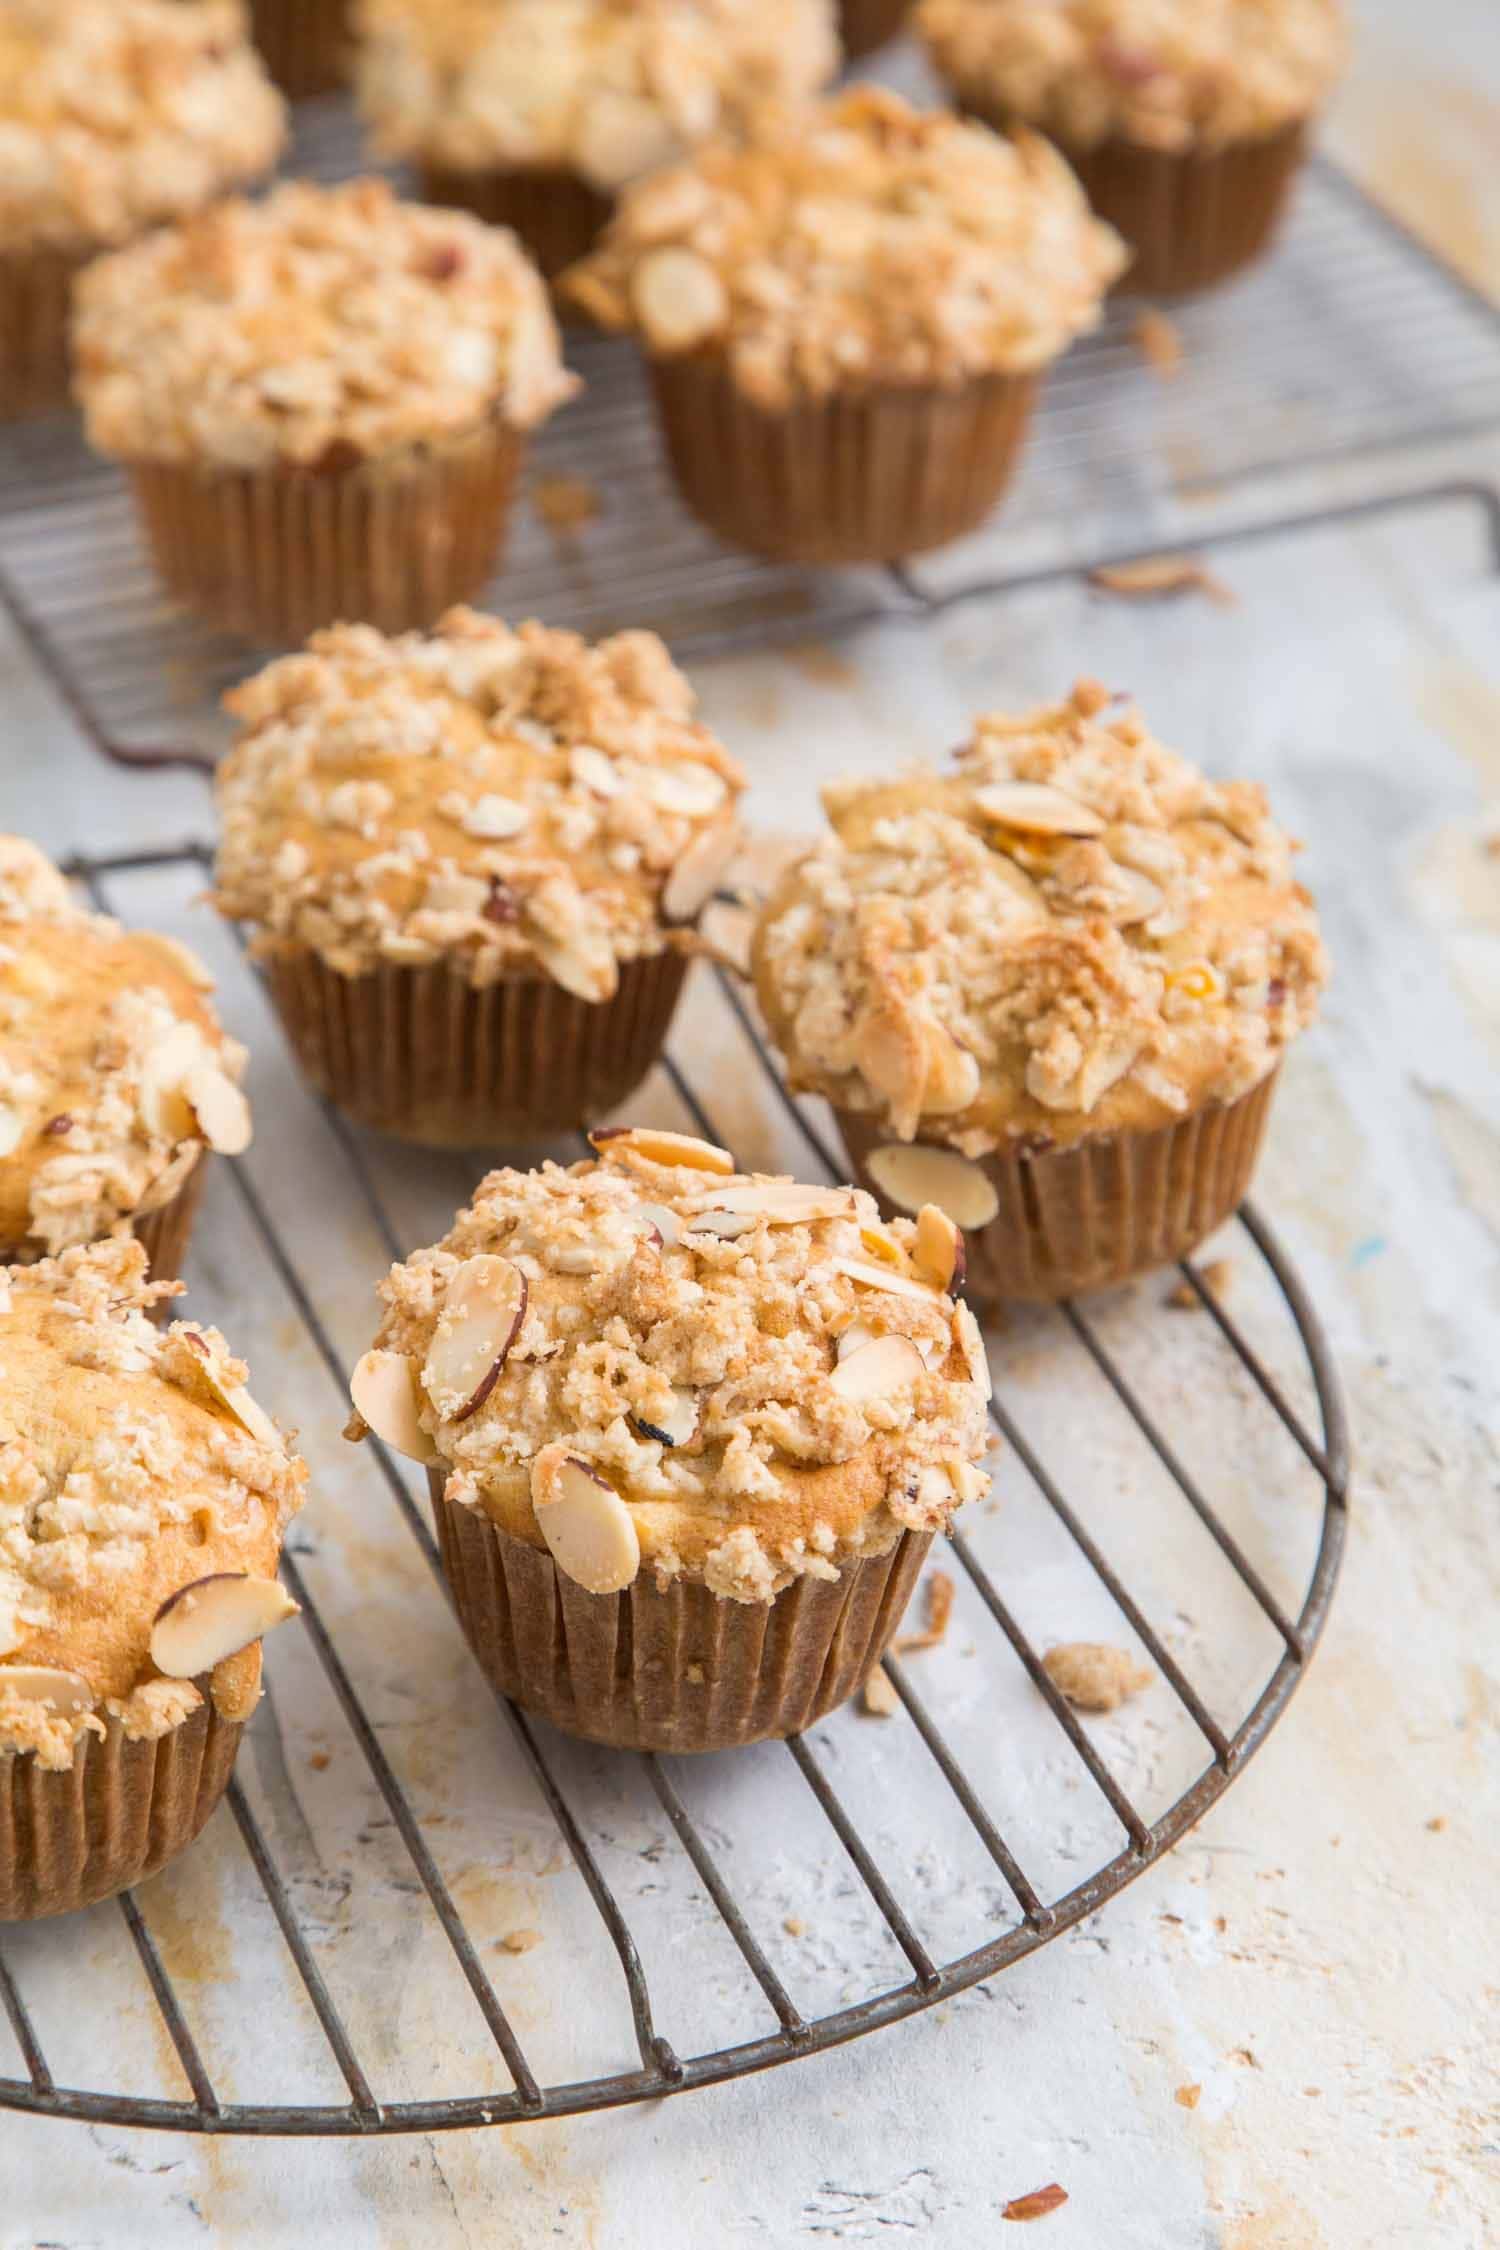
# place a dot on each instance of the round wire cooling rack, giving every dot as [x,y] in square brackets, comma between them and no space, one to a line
[1315,1462]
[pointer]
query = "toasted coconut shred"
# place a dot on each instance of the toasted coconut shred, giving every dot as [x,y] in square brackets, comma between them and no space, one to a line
[115,1075]
[507,801]
[683,1337]
[1072,932]
[126,1475]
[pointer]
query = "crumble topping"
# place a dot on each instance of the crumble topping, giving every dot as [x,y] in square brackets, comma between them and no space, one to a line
[319,328]
[866,242]
[117,114]
[1166,74]
[114,1073]
[700,1342]
[1072,932]
[608,89]
[124,1476]
[501,799]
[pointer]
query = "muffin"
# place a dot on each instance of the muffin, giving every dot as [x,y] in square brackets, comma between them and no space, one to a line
[114,116]
[537,112]
[305,42]
[865,25]
[321,401]
[472,864]
[689,1435]
[846,318]
[116,1079]
[145,1498]
[1186,120]
[1048,991]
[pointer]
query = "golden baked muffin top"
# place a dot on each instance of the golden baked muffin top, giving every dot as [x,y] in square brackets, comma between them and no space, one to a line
[117,114]
[320,327]
[1166,74]
[604,88]
[114,1073]
[653,1361]
[143,1495]
[1073,931]
[863,242]
[505,800]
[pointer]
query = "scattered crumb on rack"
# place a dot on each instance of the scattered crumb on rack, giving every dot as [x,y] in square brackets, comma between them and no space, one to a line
[1159,342]
[1038,2205]
[1093,1676]
[1216,1277]
[1160,578]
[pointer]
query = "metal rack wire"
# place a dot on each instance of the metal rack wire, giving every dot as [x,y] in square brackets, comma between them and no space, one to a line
[658,2068]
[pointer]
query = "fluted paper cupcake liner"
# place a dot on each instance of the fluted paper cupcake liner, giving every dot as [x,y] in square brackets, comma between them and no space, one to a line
[305,43]
[277,553]
[165,1232]
[557,214]
[36,292]
[860,478]
[1192,218]
[865,25]
[116,1815]
[1104,1210]
[680,1670]
[423,1054]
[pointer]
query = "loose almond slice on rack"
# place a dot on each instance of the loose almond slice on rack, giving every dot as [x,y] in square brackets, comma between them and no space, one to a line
[653,1147]
[878,1369]
[213,1618]
[1037,810]
[384,1391]
[62,1691]
[910,1174]
[938,1252]
[483,1314]
[589,1530]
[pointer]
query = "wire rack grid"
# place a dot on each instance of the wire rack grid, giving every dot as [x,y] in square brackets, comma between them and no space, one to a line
[822,1766]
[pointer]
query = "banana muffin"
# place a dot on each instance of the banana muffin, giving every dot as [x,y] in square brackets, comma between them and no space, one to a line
[114,116]
[537,112]
[145,1496]
[846,316]
[116,1079]
[1186,120]
[689,1434]
[472,863]
[1048,991]
[322,401]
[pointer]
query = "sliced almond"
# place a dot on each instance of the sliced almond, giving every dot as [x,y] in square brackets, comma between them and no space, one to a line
[664,1224]
[727,1226]
[587,1526]
[1144,900]
[384,1391]
[62,1691]
[12,1129]
[652,1147]
[883,1249]
[879,1368]
[938,1252]
[890,1053]
[594,769]
[694,791]
[952,1074]
[222,1112]
[697,874]
[483,1314]
[247,1412]
[215,1617]
[31,872]
[679,299]
[680,1426]
[494,819]
[781,1202]
[854,1339]
[1037,810]
[586,966]
[619,135]
[911,1175]
[884,1277]
[967,1336]
[163,1100]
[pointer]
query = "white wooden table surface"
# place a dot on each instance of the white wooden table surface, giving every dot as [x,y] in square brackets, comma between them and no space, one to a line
[1320,1959]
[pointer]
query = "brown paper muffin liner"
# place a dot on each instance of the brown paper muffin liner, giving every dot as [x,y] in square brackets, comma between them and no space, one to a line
[36,291]
[420,1053]
[276,553]
[557,214]
[679,1670]
[305,43]
[1192,218]
[1106,1210]
[865,25]
[863,478]
[119,1812]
